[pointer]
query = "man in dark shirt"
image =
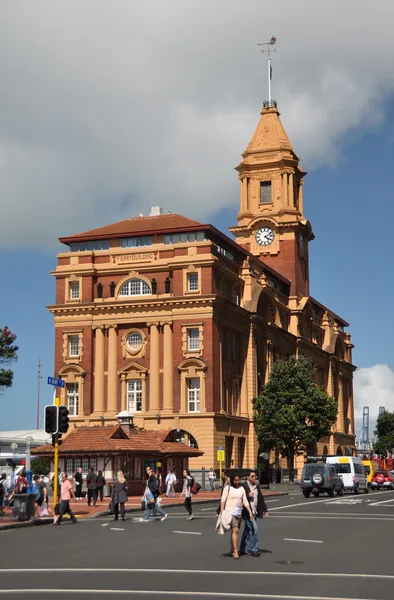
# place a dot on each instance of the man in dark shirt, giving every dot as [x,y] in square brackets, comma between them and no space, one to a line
[78,478]
[91,482]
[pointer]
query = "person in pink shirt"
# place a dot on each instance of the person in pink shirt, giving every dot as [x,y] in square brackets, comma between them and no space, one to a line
[66,493]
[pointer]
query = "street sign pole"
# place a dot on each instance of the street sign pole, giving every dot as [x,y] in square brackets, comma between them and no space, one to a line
[220,457]
[56,465]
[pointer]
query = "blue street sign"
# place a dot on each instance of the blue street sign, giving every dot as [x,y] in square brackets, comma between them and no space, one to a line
[55,381]
[220,447]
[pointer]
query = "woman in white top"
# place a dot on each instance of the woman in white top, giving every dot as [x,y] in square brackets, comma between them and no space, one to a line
[212,477]
[234,500]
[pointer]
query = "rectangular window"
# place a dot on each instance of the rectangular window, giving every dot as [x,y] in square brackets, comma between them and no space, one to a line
[73,345]
[225,252]
[265,192]
[94,245]
[235,344]
[74,290]
[235,295]
[192,236]
[235,398]
[193,339]
[192,282]
[136,242]
[224,396]
[85,466]
[134,395]
[73,399]
[70,466]
[193,394]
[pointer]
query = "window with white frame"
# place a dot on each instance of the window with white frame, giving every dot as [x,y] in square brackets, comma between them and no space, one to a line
[134,395]
[73,345]
[134,341]
[193,394]
[135,287]
[235,398]
[192,282]
[235,295]
[73,399]
[193,339]
[74,290]
[134,242]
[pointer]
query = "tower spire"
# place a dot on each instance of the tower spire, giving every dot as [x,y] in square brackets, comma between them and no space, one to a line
[268,45]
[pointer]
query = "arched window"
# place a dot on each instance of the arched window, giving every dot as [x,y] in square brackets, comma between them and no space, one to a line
[135,287]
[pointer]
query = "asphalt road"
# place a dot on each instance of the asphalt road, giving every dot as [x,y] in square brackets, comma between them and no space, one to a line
[320,548]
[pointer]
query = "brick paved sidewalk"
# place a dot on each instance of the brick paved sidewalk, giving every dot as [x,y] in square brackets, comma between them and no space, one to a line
[83,511]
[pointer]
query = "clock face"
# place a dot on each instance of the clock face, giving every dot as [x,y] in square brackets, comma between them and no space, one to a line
[265,236]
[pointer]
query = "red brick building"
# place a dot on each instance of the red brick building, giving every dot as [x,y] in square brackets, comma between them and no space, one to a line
[178,323]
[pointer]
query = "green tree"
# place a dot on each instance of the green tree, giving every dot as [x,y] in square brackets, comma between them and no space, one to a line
[40,465]
[384,432]
[8,354]
[292,411]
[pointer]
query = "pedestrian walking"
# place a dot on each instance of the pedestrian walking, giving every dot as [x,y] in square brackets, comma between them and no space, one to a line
[78,478]
[212,477]
[170,483]
[119,495]
[3,492]
[187,492]
[151,496]
[233,499]
[91,482]
[250,537]
[42,508]
[100,485]
[21,483]
[66,493]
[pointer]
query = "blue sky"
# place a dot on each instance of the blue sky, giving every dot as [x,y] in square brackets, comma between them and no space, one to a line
[109,108]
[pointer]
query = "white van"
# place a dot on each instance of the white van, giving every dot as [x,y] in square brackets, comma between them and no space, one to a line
[352,472]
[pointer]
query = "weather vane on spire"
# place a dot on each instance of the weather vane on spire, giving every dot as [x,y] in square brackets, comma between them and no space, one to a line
[272,42]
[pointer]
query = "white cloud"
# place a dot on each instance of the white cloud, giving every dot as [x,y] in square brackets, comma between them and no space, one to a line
[107,108]
[373,387]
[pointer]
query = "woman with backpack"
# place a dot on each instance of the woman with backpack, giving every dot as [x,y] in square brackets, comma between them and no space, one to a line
[21,483]
[119,496]
[187,491]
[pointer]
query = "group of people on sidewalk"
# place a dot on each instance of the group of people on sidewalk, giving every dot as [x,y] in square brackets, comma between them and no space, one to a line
[242,502]
[95,482]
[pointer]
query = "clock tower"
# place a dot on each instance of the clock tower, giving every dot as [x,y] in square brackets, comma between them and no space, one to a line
[271,222]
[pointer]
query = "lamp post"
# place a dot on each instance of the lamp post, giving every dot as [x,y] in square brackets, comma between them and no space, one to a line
[29,441]
[14,447]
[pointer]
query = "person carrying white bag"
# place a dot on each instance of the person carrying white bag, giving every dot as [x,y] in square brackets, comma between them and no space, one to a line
[233,500]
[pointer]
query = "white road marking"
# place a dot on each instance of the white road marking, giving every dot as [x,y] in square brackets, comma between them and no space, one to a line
[105,525]
[117,529]
[214,508]
[188,532]
[333,518]
[381,502]
[312,502]
[59,571]
[348,501]
[299,540]
[155,593]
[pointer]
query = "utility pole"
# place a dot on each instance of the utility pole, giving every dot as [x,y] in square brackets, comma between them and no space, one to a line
[38,393]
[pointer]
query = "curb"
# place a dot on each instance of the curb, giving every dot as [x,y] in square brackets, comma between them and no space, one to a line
[49,521]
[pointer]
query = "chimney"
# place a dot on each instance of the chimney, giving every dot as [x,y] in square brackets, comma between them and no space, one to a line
[126,421]
[155,211]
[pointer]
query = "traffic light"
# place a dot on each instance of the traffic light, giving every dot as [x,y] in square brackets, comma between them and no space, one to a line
[63,419]
[51,419]
[59,440]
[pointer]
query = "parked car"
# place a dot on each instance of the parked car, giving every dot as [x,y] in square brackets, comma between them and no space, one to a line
[352,472]
[382,479]
[318,478]
[371,467]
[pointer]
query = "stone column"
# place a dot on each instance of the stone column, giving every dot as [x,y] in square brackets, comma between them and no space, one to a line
[168,375]
[285,189]
[291,190]
[251,362]
[98,404]
[112,379]
[154,368]
[301,198]
[340,416]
